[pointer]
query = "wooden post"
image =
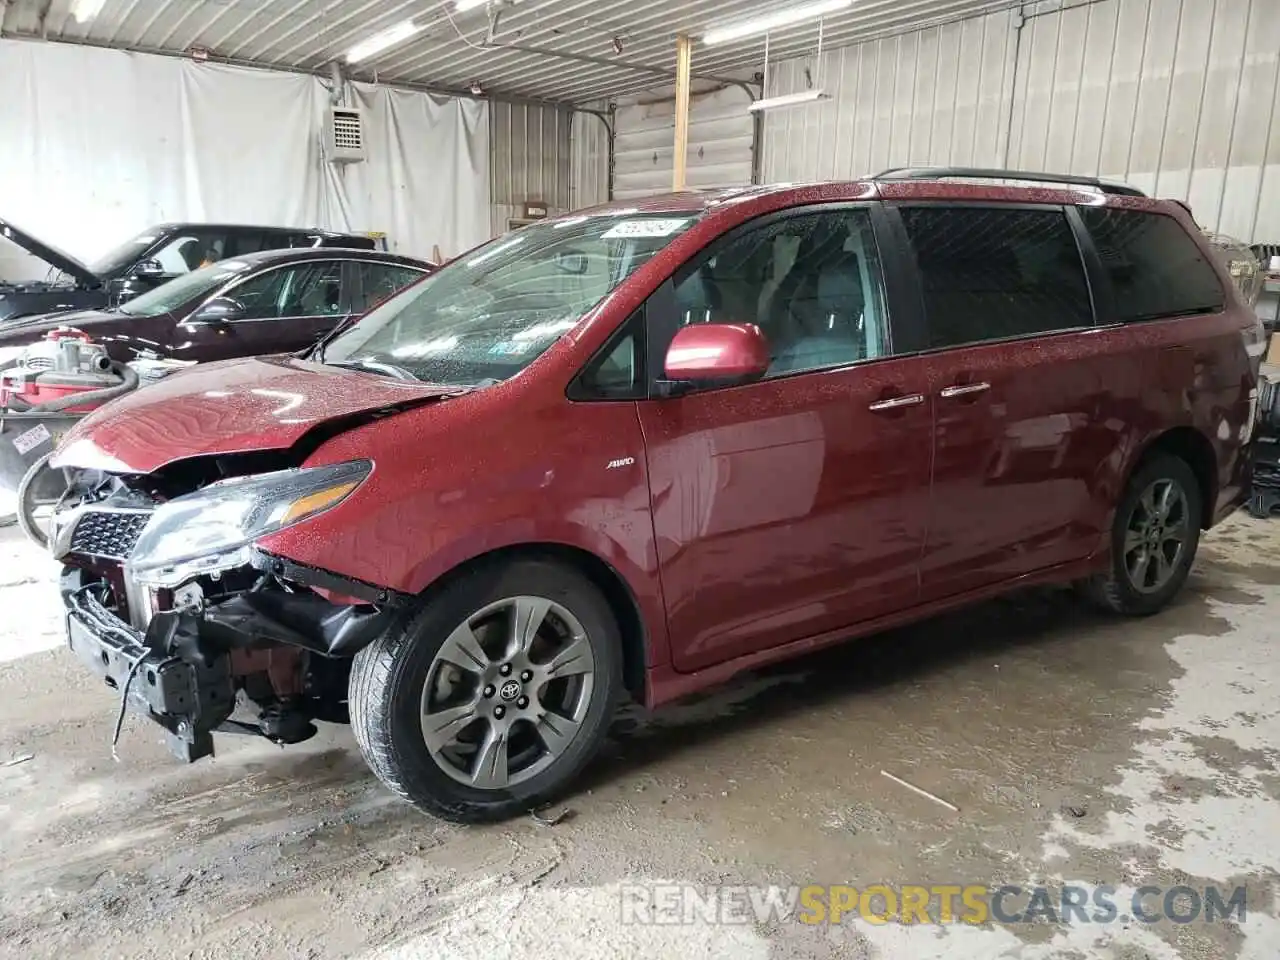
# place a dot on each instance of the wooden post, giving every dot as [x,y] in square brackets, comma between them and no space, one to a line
[684,58]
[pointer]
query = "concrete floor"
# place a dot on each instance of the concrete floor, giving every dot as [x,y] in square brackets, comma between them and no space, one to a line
[1076,747]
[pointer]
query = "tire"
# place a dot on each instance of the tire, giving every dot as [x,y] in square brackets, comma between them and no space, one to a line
[1117,590]
[28,491]
[395,680]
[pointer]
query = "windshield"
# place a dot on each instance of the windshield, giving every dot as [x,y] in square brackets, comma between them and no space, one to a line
[118,258]
[488,315]
[171,295]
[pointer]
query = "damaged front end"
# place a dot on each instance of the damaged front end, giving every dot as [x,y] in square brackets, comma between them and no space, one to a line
[169,600]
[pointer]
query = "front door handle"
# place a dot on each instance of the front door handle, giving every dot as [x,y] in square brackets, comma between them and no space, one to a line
[964,389]
[893,403]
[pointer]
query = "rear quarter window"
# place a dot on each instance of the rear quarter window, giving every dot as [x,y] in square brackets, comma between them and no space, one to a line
[1155,268]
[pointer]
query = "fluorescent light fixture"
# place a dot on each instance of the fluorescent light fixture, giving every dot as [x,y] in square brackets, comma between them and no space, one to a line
[86,10]
[772,21]
[384,40]
[462,6]
[788,100]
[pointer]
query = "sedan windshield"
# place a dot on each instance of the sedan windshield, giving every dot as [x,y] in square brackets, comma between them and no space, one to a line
[169,296]
[488,315]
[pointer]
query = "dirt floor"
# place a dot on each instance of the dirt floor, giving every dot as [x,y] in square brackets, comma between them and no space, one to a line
[1078,749]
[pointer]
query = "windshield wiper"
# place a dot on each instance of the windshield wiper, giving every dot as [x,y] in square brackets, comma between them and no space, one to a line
[377,366]
[317,351]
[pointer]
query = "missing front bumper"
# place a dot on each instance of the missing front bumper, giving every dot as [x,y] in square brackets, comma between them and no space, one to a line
[185,671]
[161,675]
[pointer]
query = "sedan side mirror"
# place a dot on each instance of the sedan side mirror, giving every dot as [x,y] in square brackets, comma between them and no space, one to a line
[220,310]
[715,355]
[148,269]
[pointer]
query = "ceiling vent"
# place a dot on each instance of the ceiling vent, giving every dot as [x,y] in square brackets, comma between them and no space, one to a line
[345,135]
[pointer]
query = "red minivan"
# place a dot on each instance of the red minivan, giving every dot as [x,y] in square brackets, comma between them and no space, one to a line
[635,450]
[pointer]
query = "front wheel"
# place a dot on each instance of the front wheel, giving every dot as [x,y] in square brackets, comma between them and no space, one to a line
[494,695]
[1153,539]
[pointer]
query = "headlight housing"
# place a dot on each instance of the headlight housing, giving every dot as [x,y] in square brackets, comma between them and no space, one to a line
[213,529]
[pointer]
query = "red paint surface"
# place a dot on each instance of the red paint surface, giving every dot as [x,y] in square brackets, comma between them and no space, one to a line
[749,523]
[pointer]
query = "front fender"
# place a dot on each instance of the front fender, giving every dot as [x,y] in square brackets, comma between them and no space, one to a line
[458,480]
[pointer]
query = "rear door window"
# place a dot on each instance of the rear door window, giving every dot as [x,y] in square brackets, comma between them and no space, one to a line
[1155,269]
[995,273]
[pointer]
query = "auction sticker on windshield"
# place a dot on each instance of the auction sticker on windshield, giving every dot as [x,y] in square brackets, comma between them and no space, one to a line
[644,228]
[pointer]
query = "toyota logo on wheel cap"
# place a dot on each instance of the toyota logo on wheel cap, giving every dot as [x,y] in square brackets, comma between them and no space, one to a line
[510,690]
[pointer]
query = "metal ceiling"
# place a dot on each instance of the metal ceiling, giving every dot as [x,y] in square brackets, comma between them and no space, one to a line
[556,50]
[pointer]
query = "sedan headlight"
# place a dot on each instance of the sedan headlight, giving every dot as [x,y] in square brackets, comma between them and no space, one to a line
[213,529]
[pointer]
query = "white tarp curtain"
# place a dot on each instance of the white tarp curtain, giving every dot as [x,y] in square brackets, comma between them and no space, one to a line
[96,145]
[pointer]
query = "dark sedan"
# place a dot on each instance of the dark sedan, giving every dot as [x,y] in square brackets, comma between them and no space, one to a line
[279,301]
[155,256]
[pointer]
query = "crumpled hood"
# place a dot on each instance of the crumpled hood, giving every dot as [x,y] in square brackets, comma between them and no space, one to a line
[236,406]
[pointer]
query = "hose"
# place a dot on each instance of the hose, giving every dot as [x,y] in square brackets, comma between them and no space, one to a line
[129,383]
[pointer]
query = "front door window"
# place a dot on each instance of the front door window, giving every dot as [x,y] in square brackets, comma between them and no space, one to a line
[811,283]
[304,290]
[190,251]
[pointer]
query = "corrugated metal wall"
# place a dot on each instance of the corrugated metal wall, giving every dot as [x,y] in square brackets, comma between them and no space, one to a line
[529,160]
[720,143]
[935,96]
[589,152]
[1179,97]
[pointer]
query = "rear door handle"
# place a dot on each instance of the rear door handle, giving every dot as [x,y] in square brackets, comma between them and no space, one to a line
[893,403]
[964,389]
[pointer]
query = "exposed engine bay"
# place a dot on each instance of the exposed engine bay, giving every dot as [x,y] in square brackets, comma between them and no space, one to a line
[171,603]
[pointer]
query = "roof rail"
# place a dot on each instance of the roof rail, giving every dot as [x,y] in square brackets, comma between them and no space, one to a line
[982,173]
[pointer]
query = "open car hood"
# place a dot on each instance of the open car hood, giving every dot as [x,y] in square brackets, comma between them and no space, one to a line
[237,406]
[50,255]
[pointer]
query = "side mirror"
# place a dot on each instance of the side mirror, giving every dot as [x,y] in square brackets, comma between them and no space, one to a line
[148,269]
[715,355]
[219,310]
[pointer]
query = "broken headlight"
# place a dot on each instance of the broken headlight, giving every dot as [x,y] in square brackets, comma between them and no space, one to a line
[213,529]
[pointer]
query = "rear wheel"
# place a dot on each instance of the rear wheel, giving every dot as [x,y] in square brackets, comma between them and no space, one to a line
[494,695]
[1154,538]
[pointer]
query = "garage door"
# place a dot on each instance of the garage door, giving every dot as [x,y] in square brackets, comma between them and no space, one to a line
[720,142]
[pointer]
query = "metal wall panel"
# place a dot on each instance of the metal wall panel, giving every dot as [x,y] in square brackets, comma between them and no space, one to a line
[529,159]
[935,96]
[1178,97]
[721,137]
[589,155]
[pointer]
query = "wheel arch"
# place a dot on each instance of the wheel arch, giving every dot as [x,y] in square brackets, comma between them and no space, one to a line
[1193,448]
[602,574]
